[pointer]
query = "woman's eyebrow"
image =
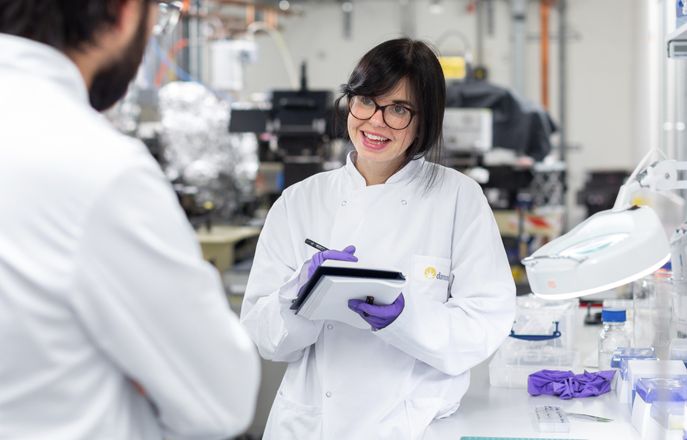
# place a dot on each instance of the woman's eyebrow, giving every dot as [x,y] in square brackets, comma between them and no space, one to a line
[401,101]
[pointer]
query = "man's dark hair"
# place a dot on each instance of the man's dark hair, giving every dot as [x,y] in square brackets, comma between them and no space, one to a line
[62,24]
[379,72]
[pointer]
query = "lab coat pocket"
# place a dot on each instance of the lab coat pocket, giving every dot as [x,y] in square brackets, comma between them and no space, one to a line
[291,420]
[431,276]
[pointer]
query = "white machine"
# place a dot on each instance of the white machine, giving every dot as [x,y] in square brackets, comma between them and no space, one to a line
[612,247]
[468,129]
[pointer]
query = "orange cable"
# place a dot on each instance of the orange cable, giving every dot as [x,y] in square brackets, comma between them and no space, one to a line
[180,44]
[544,13]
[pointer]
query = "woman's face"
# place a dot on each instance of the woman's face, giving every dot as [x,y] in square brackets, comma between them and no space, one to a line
[381,149]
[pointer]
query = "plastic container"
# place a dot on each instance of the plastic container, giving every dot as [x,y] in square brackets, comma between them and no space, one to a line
[542,337]
[670,415]
[550,418]
[614,335]
[645,369]
[656,389]
[625,353]
[679,313]
[653,310]
[678,350]
[658,397]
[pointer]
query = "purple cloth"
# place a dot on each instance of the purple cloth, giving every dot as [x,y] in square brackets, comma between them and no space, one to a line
[331,254]
[378,316]
[566,384]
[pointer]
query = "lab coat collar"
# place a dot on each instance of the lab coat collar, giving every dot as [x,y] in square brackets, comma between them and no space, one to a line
[27,57]
[409,171]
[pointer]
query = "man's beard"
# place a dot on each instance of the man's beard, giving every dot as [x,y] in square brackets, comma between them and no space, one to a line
[111,82]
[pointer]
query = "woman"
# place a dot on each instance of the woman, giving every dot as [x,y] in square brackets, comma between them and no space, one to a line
[398,210]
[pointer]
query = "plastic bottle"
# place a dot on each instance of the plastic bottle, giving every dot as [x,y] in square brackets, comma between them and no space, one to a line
[613,335]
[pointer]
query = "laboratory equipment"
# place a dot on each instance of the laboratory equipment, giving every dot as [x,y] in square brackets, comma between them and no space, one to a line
[551,418]
[589,417]
[652,305]
[612,247]
[670,416]
[609,249]
[680,13]
[209,167]
[620,360]
[518,125]
[678,350]
[226,61]
[678,324]
[647,369]
[298,124]
[614,335]
[541,338]
[656,392]
[622,354]
[467,129]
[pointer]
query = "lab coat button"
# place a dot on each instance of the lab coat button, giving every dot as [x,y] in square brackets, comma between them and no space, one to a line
[330,326]
[328,394]
[344,203]
[403,202]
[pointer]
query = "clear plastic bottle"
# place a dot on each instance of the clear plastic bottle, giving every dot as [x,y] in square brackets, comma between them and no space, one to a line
[613,335]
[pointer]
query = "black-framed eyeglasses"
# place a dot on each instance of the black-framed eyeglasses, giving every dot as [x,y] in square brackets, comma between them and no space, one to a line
[395,116]
[167,17]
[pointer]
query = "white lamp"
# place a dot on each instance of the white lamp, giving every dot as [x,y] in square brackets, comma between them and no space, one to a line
[610,248]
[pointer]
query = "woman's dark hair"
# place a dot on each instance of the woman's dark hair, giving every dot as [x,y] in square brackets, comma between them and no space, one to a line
[379,71]
[58,23]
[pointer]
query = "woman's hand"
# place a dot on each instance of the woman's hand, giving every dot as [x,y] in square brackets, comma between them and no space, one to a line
[331,254]
[377,316]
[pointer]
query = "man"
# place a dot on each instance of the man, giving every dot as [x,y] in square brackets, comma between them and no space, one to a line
[111,324]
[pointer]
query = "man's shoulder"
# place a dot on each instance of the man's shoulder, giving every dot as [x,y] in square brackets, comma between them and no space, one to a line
[98,149]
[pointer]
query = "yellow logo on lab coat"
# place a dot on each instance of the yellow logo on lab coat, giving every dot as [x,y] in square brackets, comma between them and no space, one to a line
[430,272]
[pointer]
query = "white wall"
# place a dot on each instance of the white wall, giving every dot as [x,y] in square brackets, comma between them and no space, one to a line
[606,112]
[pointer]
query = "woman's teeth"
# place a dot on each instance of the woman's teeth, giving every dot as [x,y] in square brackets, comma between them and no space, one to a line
[375,138]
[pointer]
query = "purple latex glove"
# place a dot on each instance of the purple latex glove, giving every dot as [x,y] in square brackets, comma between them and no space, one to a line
[566,384]
[331,254]
[378,316]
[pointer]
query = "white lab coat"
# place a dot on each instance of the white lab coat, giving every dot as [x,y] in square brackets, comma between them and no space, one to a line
[346,383]
[101,279]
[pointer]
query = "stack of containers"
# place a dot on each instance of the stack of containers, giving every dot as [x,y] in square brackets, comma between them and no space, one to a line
[658,408]
[623,388]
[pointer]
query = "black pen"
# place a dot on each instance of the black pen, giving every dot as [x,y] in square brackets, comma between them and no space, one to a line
[315,244]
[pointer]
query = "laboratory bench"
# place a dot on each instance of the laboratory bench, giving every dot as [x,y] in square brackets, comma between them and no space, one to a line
[509,412]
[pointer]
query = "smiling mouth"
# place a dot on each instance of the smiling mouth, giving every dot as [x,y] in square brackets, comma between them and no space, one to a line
[374,141]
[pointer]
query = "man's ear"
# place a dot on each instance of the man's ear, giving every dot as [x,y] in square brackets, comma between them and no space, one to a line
[129,16]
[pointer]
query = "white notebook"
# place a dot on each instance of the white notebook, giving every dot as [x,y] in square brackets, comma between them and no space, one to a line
[325,296]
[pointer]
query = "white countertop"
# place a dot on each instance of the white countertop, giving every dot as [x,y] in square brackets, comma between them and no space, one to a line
[490,411]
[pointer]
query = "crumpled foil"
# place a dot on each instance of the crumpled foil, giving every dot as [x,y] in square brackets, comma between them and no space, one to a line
[200,150]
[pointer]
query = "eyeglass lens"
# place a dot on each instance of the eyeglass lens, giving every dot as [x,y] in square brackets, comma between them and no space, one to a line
[396,116]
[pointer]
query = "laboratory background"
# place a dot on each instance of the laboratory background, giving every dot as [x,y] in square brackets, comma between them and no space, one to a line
[570,114]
